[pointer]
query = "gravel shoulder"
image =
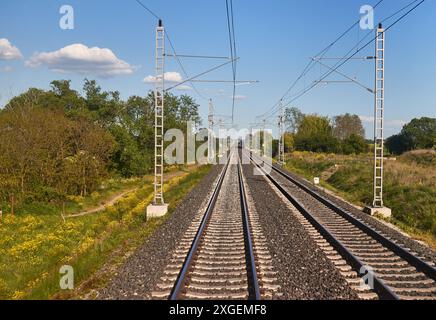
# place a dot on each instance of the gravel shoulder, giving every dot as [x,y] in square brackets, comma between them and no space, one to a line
[137,278]
[304,272]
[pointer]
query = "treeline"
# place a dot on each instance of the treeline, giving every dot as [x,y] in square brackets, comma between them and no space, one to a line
[418,134]
[58,142]
[342,134]
[345,134]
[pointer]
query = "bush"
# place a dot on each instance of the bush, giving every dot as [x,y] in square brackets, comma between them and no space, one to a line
[397,144]
[354,144]
[418,134]
[315,134]
[321,143]
[426,158]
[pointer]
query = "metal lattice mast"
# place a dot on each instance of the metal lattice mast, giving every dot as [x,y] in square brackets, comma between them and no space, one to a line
[281,157]
[159,116]
[379,117]
[210,138]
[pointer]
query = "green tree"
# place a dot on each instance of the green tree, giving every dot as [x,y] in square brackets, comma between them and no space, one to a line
[397,144]
[44,154]
[346,125]
[354,144]
[315,134]
[418,134]
[128,158]
[128,124]
[104,106]
[62,97]
[288,139]
[32,97]
[188,110]
[293,119]
[90,157]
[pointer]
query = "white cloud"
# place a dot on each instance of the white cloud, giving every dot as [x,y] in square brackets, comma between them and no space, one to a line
[183,88]
[388,123]
[169,77]
[396,123]
[8,51]
[78,58]
[367,119]
[6,69]
[239,97]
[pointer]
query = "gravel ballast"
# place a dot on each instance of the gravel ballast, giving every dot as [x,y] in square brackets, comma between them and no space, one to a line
[138,277]
[304,271]
[420,249]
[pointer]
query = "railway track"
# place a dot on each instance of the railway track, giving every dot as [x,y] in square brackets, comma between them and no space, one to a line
[221,256]
[353,246]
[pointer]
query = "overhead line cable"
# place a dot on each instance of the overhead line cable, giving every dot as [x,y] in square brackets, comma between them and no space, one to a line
[232,44]
[400,10]
[311,63]
[369,33]
[345,76]
[182,67]
[172,47]
[235,53]
[348,58]
[201,74]
[148,9]
[341,62]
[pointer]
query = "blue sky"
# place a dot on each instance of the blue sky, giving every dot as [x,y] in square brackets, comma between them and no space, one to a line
[274,42]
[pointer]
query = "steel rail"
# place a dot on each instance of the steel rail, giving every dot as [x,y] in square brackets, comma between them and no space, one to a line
[252,279]
[181,279]
[253,282]
[415,261]
[380,287]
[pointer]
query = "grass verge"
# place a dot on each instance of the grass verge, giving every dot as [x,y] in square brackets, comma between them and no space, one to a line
[410,186]
[34,247]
